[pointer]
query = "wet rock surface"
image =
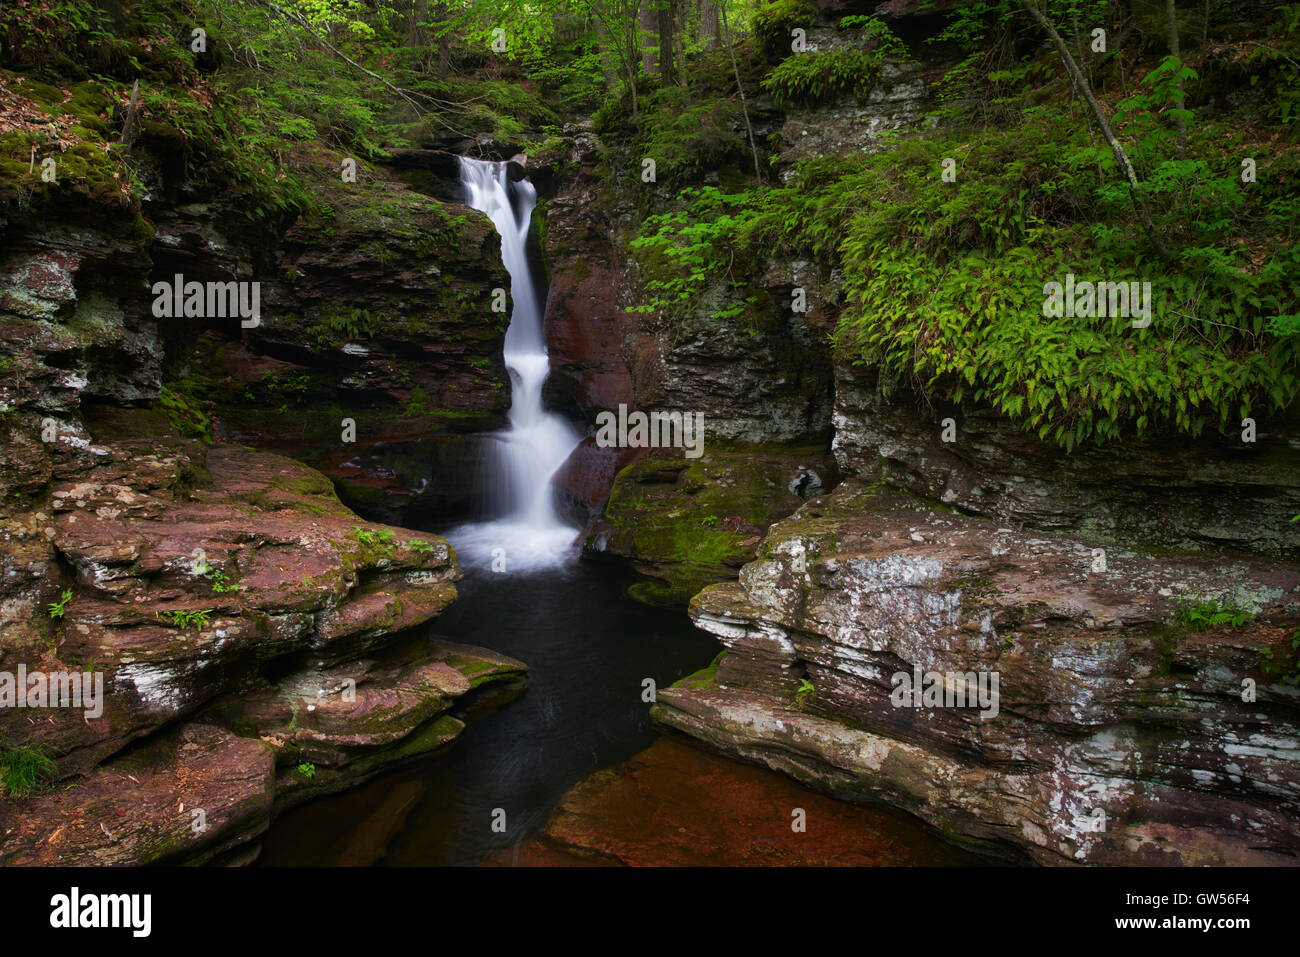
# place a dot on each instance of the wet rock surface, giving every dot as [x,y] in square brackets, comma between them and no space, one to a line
[191,573]
[585,320]
[139,808]
[677,805]
[1120,736]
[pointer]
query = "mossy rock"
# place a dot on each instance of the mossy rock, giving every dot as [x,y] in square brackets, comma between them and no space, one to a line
[688,523]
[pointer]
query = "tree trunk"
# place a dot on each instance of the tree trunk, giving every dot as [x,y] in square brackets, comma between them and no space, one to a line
[128,127]
[1180,121]
[722,7]
[649,25]
[1121,158]
[666,17]
[709,23]
[608,66]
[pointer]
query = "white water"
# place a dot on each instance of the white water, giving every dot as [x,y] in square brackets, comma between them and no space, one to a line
[530,533]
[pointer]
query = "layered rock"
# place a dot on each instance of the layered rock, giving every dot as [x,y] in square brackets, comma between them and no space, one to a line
[587,325]
[207,789]
[377,356]
[208,587]
[1119,735]
[753,383]
[1172,492]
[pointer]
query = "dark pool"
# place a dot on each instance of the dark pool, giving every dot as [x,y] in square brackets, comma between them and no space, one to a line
[588,648]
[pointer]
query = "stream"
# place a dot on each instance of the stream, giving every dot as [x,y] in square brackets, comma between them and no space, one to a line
[589,648]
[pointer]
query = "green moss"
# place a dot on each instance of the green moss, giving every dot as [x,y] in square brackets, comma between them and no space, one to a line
[967,840]
[811,78]
[688,523]
[311,484]
[185,416]
[703,678]
[480,672]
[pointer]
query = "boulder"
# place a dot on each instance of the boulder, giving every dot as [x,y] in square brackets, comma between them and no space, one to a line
[1143,712]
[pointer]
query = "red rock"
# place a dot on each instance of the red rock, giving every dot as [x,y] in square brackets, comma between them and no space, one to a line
[677,805]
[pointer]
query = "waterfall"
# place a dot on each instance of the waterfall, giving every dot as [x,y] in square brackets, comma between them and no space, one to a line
[523,459]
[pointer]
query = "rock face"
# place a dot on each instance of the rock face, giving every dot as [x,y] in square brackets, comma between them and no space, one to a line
[239,618]
[375,312]
[1176,493]
[390,293]
[209,589]
[685,523]
[753,384]
[1117,734]
[586,323]
[1122,736]
[374,307]
[139,809]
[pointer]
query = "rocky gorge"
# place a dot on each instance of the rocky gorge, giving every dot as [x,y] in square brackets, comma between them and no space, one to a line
[233,522]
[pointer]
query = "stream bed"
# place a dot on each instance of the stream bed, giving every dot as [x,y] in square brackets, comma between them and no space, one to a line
[588,647]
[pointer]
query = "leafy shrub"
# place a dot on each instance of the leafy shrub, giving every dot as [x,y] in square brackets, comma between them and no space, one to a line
[810,78]
[221,585]
[1198,614]
[805,692]
[773,23]
[944,282]
[381,539]
[339,324]
[680,251]
[686,134]
[184,619]
[1287,665]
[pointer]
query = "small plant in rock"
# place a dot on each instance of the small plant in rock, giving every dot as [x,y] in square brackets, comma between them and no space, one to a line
[805,692]
[1200,614]
[221,585]
[1287,670]
[420,546]
[57,608]
[307,770]
[25,769]
[381,538]
[184,619]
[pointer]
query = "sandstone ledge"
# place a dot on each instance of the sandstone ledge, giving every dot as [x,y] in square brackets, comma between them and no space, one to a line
[243,622]
[1109,711]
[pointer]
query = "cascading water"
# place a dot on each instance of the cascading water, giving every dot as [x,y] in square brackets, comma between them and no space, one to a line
[526,456]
